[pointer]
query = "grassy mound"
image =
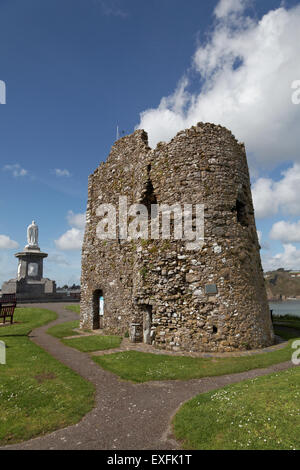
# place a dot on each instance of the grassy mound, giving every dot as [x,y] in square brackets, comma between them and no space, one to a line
[258,414]
[142,367]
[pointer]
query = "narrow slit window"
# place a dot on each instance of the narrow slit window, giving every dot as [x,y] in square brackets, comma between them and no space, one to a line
[241,213]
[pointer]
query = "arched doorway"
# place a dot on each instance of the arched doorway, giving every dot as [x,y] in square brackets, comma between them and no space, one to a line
[98,309]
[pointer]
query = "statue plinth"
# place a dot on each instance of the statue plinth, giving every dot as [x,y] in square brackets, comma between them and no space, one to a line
[30,264]
[32,248]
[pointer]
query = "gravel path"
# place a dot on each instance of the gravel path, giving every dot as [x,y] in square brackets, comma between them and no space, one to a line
[126,415]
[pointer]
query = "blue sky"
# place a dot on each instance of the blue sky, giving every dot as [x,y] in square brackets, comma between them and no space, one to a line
[74,69]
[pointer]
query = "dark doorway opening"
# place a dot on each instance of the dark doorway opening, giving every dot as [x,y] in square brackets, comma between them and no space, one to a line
[98,309]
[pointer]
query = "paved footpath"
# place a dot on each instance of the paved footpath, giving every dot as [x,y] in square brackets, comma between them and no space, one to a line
[126,415]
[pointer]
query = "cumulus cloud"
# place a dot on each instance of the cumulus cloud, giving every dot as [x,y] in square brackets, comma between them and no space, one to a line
[244,73]
[286,231]
[7,244]
[112,8]
[262,193]
[269,197]
[227,7]
[16,170]
[72,239]
[8,270]
[60,173]
[263,244]
[259,234]
[58,259]
[76,220]
[289,259]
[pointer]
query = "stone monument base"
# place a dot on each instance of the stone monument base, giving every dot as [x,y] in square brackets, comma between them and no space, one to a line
[32,288]
[36,291]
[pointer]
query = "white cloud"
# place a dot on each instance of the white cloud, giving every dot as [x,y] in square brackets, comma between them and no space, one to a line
[264,245]
[6,243]
[289,259]
[112,8]
[76,220]
[61,173]
[262,193]
[245,72]
[16,170]
[286,231]
[70,240]
[8,268]
[271,196]
[73,238]
[259,234]
[58,259]
[226,7]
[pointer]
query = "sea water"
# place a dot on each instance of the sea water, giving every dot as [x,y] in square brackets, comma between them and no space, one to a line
[286,307]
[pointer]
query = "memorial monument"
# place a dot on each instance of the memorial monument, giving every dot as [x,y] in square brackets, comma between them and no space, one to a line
[30,283]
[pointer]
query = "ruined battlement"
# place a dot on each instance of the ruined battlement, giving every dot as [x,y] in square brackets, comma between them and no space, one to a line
[209,299]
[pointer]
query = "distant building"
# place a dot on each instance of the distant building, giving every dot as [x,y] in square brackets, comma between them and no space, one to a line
[294,273]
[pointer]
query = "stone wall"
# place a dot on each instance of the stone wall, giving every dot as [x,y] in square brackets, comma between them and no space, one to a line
[159,284]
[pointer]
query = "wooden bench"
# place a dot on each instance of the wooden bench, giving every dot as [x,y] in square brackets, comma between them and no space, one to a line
[7,306]
[8,299]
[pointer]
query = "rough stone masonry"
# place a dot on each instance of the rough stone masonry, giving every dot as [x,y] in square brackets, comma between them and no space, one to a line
[213,299]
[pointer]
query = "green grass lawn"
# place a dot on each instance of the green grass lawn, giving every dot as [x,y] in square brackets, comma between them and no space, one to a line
[287,327]
[142,367]
[258,414]
[291,322]
[286,334]
[93,343]
[74,308]
[38,394]
[64,329]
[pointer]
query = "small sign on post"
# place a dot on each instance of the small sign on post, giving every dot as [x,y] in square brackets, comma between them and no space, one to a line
[2,353]
[101,306]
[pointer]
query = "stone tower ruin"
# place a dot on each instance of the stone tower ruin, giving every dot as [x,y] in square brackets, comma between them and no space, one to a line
[211,299]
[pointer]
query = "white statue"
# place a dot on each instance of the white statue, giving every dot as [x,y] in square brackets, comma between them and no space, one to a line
[32,234]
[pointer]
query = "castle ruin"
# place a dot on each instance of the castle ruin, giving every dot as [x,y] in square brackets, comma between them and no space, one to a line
[210,299]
